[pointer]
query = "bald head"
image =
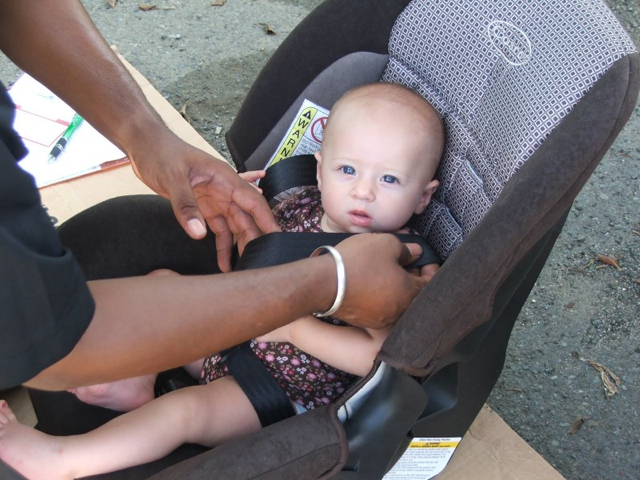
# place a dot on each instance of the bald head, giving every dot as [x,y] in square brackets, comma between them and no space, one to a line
[393,99]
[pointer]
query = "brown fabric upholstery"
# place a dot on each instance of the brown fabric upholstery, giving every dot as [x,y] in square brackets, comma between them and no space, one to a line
[307,446]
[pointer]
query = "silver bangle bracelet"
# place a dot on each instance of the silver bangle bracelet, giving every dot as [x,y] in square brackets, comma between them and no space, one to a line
[341,273]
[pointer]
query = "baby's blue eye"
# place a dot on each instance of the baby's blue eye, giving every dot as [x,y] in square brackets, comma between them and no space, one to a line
[389,179]
[347,170]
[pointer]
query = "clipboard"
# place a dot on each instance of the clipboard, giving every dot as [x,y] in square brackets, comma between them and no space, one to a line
[41,118]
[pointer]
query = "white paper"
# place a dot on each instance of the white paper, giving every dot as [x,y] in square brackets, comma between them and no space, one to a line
[424,459]
[41,118]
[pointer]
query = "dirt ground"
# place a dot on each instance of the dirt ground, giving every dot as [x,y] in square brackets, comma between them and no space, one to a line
[582,315]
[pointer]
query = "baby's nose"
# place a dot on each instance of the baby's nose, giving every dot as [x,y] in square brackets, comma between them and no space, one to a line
[364,190]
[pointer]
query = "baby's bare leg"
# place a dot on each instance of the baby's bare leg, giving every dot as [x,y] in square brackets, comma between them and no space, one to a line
[207,414]
[26,450]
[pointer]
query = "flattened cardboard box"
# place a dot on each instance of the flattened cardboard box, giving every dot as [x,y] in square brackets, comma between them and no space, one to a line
[490,450]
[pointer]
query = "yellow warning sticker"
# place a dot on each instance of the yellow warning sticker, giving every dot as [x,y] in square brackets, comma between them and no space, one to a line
[424,459]
[427,444]
[304,135]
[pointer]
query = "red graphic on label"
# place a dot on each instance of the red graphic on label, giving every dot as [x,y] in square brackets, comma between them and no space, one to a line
[317,129]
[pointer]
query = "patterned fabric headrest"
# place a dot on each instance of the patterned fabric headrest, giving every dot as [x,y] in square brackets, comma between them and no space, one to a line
[503,75]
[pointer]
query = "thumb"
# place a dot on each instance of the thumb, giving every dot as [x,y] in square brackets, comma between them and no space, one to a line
[409,253]
[185,208]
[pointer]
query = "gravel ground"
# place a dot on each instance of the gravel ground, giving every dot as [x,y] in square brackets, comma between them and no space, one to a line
[206,58]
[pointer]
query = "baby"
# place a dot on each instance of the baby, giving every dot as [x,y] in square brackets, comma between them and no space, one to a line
[381,149]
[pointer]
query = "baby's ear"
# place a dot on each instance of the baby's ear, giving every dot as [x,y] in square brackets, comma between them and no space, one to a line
[318,156]
[427,193]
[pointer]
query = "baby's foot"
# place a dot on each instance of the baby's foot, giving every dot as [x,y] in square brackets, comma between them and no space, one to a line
[122,395]
[33,454]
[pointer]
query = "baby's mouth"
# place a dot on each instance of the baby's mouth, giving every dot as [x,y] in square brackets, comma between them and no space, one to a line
[360,218]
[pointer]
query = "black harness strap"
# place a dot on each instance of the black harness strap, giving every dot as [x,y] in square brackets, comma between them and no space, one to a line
[298,171]
[280,248]
[265,394]
[261,388]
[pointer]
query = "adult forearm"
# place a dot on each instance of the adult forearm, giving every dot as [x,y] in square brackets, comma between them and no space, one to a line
[149,324]
[57,43]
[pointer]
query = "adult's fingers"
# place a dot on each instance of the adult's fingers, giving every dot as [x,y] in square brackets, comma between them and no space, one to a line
[409,253]
[250,217]
[224,242]
[428,271]
[256,206]
[243,226]
[186,210]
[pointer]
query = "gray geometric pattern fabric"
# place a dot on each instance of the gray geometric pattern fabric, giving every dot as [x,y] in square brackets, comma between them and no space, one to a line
[503,74]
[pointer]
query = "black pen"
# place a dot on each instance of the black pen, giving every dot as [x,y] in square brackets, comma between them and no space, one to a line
[64,139]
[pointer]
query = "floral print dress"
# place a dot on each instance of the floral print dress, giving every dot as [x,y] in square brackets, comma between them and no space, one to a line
[307,381]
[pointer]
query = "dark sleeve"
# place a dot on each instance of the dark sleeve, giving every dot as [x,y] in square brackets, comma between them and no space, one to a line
[45,305]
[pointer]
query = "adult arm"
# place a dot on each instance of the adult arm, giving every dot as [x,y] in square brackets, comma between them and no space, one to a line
[58,44]
[147,324]
[347,348]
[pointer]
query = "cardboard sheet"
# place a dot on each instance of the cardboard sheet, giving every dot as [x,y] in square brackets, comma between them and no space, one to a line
[489,451]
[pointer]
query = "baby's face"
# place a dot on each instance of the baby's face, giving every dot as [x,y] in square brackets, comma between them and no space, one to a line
[373,170]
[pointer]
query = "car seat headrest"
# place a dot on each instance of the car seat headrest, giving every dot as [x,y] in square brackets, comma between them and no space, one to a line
[503,75]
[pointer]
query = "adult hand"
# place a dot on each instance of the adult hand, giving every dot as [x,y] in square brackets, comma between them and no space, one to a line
[428,271]
[202,188]
[378,289]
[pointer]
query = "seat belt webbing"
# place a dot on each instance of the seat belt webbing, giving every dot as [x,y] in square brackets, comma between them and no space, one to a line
[263,391]
[297,171]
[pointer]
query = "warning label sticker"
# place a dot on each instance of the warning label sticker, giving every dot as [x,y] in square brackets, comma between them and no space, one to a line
[304,135]
[424,459]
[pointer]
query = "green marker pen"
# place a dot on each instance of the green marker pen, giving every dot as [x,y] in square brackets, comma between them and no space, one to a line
[64,139]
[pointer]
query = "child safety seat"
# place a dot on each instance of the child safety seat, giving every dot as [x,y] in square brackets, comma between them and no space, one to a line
[532,95]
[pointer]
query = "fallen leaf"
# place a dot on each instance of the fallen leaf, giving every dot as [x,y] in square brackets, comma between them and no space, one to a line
[570,305]
[112,3]
[218,3]
[607,260]
[149,6]
[636,232]
[575,426]
[610,380]
[183,112]
[268,30]
[515,390]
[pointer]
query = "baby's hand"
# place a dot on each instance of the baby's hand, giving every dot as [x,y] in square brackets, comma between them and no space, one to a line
[252,176]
